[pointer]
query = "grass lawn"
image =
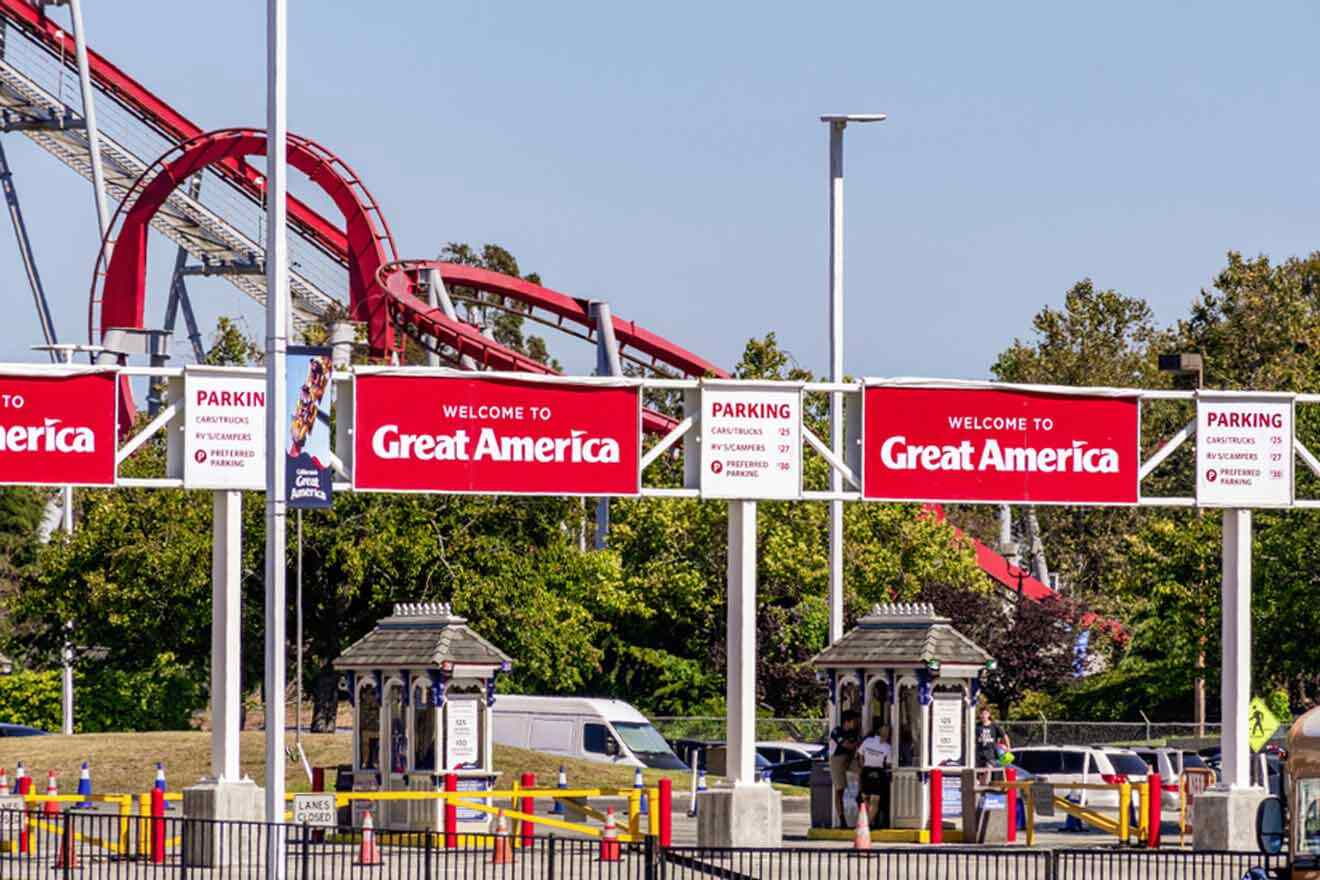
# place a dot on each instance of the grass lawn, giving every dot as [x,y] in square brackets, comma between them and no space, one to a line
[126,762]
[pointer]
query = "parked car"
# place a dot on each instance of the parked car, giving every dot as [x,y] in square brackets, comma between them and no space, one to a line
[794,772]
[693,751]
[595,730]
[1168,763]
[1083,764]
[779,751]
[21,730]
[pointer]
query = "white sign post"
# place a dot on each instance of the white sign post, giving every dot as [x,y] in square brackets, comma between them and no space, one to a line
[1244,451]
[751,441]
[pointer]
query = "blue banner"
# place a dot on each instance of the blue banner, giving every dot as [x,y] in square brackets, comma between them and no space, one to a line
[307,460]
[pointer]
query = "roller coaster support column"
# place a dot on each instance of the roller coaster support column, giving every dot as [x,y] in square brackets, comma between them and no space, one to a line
[277,331]
[607,364]
[89,115]
[438,297]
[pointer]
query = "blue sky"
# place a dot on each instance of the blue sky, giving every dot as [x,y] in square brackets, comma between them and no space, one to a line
[668,157]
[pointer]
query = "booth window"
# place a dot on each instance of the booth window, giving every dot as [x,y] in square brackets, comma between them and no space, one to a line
[423,730]
[909,726]
[1308,807]
[368,728]
[398,727]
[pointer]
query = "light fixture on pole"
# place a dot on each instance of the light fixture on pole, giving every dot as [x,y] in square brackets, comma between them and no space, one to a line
[837,123]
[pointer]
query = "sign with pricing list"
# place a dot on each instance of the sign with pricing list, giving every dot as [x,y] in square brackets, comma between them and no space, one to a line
[1244,452]
[751,442]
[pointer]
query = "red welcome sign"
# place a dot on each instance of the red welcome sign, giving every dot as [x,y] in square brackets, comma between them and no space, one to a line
[58,429]
[495,435]
[989,444]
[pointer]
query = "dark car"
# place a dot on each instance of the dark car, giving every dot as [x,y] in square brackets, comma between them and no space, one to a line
[21,730]
[794,772]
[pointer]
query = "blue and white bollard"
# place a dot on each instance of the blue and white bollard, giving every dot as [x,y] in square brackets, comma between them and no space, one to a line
[562,783]
[160,776]
[85,785]
[638,783]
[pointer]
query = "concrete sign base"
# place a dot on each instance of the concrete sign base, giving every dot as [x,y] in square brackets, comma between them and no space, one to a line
[208,844]
[1225,819]
[750,814]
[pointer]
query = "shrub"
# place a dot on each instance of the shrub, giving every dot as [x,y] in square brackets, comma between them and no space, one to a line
[163,697]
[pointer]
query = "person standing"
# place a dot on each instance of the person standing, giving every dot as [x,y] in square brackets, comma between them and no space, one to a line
[989,736]
[877,757]
[843,755]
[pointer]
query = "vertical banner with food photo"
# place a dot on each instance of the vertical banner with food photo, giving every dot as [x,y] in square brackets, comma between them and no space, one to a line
[307,460]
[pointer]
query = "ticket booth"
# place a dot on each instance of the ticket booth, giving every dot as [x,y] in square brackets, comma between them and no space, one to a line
[422,685]
[906,669]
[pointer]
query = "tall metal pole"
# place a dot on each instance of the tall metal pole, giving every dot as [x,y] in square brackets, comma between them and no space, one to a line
[89,116]
[837,124]
[277,313]
[836,374]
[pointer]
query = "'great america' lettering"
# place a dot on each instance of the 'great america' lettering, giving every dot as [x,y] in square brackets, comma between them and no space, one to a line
[897,454]
[46,438]
[388,443]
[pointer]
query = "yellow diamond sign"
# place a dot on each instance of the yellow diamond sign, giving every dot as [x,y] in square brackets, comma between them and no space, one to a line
[1261,724]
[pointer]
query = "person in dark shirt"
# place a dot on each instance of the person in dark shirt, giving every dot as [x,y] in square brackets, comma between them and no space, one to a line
[988,736]
[844,741]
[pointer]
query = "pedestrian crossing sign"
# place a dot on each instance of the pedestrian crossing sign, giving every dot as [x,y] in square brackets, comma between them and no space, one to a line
[1261,724]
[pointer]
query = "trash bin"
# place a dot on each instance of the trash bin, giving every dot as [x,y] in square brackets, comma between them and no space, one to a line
[344,782]
[822,794]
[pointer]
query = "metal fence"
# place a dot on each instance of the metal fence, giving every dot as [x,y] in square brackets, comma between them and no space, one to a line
[1023,733]
[963,863]
[110,847]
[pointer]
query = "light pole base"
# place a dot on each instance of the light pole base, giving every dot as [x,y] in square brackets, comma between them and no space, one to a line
[1225,819]
[211,845]
[751,814]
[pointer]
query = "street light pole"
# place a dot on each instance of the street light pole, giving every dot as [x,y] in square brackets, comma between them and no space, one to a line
[277,332]
[837,124]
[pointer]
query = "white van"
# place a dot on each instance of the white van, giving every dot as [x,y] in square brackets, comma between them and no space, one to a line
[577,727]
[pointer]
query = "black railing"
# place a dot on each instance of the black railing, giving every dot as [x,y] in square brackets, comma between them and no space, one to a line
[96,846]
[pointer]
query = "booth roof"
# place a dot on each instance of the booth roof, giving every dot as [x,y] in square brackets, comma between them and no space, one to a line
[901,635]
[421,636]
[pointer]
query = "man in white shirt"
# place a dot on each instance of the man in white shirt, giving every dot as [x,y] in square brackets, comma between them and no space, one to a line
[877,757]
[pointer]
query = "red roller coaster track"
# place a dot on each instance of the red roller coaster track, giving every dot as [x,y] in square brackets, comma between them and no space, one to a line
[381,292]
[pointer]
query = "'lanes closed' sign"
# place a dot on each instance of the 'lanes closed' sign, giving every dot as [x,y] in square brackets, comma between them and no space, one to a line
[924,443]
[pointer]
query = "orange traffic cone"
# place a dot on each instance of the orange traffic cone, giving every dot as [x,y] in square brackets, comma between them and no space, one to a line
[67,855]
[503,854]
[51,808]
[609,839]
[862,835]
[368,852]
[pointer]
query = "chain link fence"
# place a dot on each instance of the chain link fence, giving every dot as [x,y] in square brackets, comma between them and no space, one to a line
[1022,733]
